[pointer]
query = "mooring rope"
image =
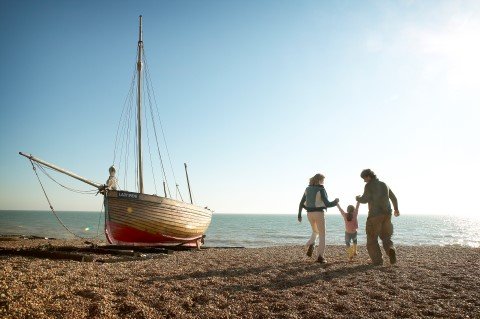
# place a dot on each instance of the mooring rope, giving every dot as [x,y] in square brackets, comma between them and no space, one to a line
[52,209]
[100,217]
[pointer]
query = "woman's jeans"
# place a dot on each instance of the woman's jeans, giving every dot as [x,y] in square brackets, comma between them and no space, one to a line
[317,221]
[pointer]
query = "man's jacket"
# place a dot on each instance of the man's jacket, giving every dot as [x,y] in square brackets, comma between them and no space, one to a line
[378,195]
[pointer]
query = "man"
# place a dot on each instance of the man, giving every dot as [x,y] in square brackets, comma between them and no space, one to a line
[378,195]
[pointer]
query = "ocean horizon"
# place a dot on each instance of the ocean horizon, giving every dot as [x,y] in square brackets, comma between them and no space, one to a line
[254,230]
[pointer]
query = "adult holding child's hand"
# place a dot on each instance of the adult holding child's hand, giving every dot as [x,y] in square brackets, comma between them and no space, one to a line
[315,202]
[378,196]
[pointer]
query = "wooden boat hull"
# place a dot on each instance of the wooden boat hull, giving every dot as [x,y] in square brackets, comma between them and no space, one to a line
[150,220]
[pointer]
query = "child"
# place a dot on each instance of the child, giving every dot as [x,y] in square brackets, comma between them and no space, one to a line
[351,226]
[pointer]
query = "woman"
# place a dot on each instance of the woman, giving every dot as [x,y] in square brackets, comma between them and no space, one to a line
[315,201]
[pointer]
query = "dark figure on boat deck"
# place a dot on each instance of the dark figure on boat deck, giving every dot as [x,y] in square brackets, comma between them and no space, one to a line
[112,180]
[378,196]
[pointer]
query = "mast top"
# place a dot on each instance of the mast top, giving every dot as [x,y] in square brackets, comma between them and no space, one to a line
[140,33]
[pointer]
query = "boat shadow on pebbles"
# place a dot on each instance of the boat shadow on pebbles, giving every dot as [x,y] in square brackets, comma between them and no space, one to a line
[48,248]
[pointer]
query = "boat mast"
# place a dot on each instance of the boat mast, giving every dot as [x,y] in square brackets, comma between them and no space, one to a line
[139,107]
[188,183]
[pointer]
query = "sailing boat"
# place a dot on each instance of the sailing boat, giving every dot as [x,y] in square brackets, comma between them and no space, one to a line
[137,218]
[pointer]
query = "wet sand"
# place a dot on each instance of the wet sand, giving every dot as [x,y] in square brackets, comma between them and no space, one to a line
[273,282]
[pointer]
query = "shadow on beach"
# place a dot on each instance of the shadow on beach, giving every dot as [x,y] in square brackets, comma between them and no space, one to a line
[273,282]
[277,277]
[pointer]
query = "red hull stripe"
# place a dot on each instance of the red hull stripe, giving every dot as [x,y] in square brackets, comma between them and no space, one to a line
[120,234]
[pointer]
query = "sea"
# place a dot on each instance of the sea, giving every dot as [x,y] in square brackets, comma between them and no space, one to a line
[254,230]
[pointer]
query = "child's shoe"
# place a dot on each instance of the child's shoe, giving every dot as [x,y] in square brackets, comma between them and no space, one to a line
[350,253]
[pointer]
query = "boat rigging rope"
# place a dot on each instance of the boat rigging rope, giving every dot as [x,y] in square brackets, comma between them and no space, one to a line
[179,193]
[158,147]
[122,137]
[150,153]
[51,207]
[125,104]
[150,86]
[123,142]
[158,151]
[126,142]
[42,168]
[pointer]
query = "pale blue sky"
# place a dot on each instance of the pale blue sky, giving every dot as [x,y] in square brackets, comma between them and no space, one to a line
[256,96]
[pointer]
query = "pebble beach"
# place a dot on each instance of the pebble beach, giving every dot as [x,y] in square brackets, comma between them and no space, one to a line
[271,282]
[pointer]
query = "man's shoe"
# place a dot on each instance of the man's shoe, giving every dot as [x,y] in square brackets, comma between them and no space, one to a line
[310,250]
[376,263]
[392,254]
[321,260]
